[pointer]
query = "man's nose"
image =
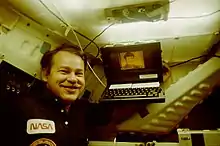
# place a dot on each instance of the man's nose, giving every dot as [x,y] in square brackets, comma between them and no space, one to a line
[72,78]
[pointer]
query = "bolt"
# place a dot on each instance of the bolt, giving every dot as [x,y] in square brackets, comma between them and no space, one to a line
[110,18]
[13,89]
[18,91]
[141,10]
[2,56]
[8,87]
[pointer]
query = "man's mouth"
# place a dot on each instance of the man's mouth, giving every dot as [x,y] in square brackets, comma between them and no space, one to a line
[71,88]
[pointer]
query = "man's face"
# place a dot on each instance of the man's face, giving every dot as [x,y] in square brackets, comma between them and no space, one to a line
[66,78]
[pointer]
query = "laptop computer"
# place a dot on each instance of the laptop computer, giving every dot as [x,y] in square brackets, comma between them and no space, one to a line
[133,72]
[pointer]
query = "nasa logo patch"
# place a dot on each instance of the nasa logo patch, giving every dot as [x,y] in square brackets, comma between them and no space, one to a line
[37,126]
[44,142]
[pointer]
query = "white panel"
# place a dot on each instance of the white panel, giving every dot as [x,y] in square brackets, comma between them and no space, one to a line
[37,11]
[188,47]
[93,18]
[184,48]
[19,53]
[21,46]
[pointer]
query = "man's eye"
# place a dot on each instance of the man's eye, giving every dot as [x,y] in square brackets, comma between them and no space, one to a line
[79,73]
[63,71]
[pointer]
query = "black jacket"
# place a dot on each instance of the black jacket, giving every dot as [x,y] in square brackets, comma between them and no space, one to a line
[40,118]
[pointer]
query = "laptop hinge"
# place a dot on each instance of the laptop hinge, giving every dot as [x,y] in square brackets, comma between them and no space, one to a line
[134,85]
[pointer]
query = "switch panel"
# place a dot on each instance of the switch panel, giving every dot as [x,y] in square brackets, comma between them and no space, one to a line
[151,12]
[14,82]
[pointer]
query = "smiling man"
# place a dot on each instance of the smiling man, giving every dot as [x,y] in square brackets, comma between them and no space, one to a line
[52,114]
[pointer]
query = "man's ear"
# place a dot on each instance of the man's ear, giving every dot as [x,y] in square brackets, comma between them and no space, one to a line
[44,74]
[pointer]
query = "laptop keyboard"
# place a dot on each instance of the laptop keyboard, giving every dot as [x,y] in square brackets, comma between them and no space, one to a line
[133,92]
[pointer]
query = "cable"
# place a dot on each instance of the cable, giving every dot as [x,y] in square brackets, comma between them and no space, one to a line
[52,12]
[77,39]
[64,22]
[191,60]
[170,60]
[193,17]
[98,36]
[166,71]
[188,60]
[159,7]
[91,69]
[168,3]
[188,17]
[87,38]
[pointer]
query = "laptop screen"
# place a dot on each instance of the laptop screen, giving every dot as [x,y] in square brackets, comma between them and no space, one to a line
[133,63]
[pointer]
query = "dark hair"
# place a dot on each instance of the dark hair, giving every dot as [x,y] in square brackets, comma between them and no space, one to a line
[128,54]
[46,60]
